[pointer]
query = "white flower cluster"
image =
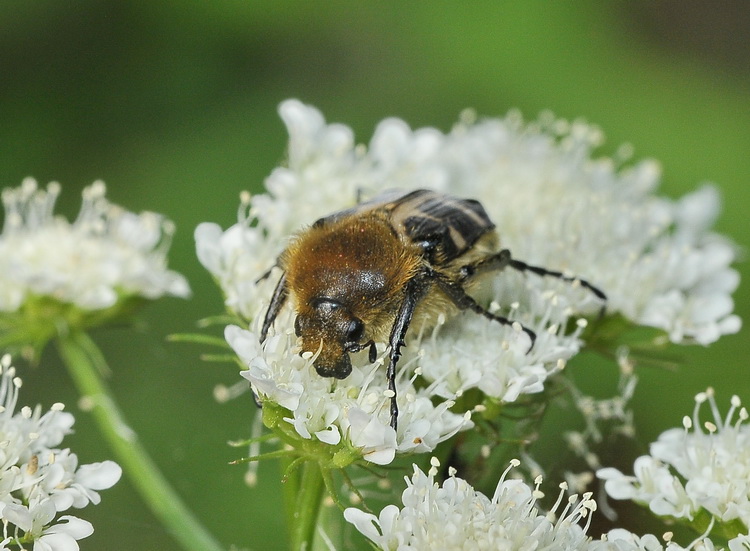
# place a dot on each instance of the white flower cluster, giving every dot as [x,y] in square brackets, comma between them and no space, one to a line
[455,517]
[353,412]
[553,206]
[623,540]
[38,479]
[454,357]
[106,255]
[691,472]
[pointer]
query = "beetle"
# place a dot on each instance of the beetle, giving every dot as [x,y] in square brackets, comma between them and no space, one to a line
[363,274]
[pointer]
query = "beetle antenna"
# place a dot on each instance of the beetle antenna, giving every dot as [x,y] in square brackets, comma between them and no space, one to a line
[277,301]
[266,274]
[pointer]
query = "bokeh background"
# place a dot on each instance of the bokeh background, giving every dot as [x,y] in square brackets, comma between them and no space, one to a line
[173,104]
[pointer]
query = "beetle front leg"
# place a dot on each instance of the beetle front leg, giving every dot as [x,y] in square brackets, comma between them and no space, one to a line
[416,288]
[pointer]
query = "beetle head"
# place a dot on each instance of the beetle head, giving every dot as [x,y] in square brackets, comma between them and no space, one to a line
[330,326]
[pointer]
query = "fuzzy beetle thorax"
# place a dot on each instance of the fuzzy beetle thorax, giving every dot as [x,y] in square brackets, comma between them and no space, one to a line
[346,281]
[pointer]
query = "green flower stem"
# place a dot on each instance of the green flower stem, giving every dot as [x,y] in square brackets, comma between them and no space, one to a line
[290,490]
[307,506]
[76,351]
[331,529]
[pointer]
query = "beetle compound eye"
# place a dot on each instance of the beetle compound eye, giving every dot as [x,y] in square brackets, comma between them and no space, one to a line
[355,330]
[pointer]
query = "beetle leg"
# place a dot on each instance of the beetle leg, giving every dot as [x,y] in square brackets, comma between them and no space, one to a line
[463,301]
[496,263]
[277,301]
[503,259]
[373,353]
[416,288]
[523,267]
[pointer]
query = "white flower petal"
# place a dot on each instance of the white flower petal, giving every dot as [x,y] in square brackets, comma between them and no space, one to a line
[73,526]
[99,476]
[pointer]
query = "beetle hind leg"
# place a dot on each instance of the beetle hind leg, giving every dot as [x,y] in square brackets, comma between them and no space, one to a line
[538,270]
[503,259]
[524,267]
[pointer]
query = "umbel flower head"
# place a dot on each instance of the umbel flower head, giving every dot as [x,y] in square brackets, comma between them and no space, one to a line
[453,516]
[348,417]
[623,540]
[698,474]
[39,479]
[553,204]
[55,274]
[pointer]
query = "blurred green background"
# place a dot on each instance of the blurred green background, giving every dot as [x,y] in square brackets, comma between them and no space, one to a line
[173,104]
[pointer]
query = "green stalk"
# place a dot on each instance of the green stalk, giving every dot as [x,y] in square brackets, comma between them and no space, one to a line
[79,353]
[307,507]
[290,490]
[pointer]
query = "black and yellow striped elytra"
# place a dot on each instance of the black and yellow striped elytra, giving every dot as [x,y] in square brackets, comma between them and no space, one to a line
[362,275]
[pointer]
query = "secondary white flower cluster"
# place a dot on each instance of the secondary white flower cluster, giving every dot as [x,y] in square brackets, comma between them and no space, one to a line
[691,473]
[623,540]
[38,479]
[106,255]
[553,205]
[455,517]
